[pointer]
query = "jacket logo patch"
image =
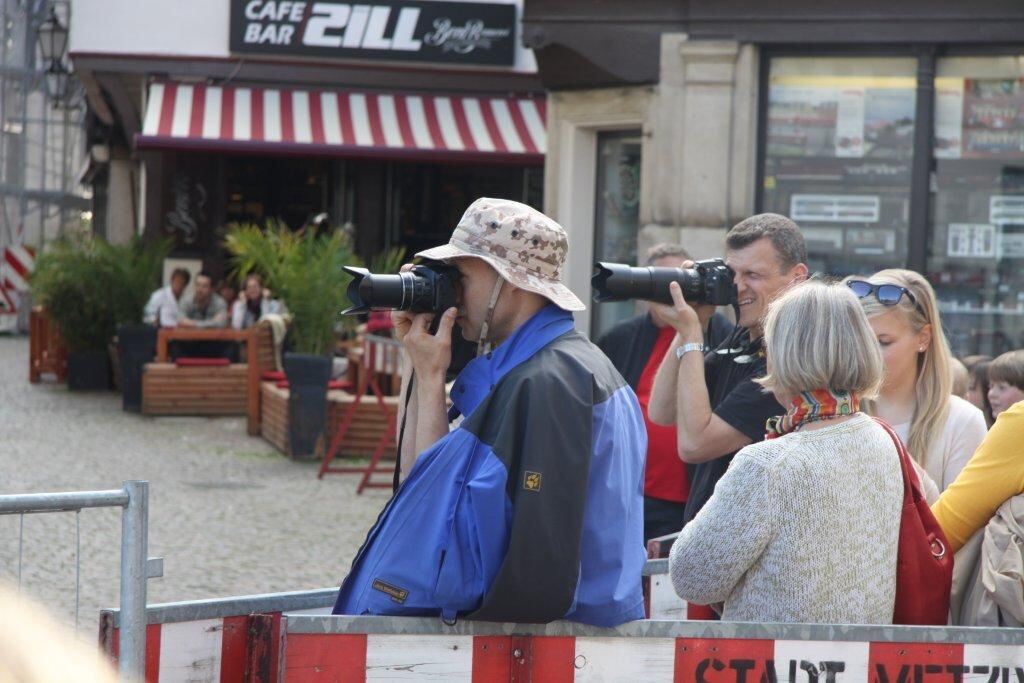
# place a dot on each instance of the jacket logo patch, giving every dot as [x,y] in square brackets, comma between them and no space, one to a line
[531,481]
[394,592]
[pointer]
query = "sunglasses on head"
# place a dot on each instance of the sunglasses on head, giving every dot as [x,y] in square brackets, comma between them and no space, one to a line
[886,294]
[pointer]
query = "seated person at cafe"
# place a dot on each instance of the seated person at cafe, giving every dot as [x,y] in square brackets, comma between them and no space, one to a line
[206,310]
[253,303]
[163,306]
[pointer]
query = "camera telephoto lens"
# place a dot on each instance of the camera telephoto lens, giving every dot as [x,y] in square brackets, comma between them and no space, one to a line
[373,292]
[424,289]
[621,282]
[708,282]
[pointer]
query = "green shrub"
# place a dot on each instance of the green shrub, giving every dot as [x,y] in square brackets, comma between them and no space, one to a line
[89,286]
[304,269]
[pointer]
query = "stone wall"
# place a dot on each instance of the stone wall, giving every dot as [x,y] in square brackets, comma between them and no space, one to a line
[699,127]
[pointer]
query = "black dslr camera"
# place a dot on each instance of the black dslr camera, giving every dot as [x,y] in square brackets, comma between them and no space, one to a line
[708,282]
[427,288]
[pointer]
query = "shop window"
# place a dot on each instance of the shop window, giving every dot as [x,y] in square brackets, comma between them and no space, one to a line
[839,146]
[291,190]
[976,246]
[616,216]
[425,201]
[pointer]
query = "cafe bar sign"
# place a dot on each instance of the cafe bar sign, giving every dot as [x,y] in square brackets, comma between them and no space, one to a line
[430,32]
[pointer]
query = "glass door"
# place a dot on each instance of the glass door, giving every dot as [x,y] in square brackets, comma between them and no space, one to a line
[616,216]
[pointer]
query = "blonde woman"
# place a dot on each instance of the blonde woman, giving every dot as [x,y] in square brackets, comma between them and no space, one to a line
[804,526]
[940,431]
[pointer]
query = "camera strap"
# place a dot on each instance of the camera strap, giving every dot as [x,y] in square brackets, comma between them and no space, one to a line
[397,479]
[483,346]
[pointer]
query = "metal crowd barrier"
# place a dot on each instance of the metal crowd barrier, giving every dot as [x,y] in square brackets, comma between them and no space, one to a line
[135,567]
[237,638]
[290,637]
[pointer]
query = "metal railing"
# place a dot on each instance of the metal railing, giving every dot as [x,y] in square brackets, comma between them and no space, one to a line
[134,501]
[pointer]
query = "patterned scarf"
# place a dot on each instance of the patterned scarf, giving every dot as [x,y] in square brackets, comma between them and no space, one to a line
[811,406]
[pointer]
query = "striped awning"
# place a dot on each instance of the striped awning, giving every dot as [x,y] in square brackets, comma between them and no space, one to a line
[343,123]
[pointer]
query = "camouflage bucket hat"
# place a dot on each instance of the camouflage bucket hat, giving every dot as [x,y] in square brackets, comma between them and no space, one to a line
[526,247]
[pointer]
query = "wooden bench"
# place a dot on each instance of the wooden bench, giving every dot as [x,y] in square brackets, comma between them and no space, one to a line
[47,353]
[229,390]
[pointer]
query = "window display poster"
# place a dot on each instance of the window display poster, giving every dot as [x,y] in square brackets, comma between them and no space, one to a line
[949,118]
[993,124]
[841,121]
[1006,209]
[802,121]
[875,241]
[1011,245]
[823,240]
[971,240]
[889,122]
[850,123]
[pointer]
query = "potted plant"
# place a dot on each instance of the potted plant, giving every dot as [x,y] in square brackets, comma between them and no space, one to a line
[82,283]
[304,269]
[138,265]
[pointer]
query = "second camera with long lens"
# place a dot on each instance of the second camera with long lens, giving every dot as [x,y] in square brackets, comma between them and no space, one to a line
[428,288]
[708,282]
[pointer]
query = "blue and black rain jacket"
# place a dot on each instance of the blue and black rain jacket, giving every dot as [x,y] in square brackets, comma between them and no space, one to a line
[532,509]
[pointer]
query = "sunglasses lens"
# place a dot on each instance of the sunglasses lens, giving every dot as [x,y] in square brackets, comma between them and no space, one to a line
[889,294]
[860,288]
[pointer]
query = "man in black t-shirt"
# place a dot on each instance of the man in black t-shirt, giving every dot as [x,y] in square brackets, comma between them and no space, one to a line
[709,394]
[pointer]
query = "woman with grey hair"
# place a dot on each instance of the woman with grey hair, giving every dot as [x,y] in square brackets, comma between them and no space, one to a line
[804,526]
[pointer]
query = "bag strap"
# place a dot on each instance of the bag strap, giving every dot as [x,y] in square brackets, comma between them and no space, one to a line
[911,483]
[912,491]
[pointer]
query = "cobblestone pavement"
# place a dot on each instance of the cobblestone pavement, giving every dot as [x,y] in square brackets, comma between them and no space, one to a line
[228,513]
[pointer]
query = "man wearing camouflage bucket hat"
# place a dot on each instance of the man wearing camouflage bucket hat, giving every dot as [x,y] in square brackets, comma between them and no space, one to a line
[530,510]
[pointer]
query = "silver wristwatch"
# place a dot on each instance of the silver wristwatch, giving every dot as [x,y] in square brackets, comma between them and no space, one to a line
[686,348]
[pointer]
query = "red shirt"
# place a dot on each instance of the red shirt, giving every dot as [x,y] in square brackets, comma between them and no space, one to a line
[665,477]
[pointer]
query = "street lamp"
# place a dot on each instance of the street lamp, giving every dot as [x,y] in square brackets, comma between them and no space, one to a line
[57,80]
[53,41]
[53,37]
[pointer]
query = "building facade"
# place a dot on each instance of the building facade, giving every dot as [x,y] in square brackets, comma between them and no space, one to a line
[386,118]
[892,133]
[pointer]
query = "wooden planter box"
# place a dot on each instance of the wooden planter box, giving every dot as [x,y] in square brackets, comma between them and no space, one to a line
[47,353]
[170,390]
[369,425]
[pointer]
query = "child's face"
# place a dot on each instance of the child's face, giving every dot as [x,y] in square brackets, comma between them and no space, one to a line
[1002,395]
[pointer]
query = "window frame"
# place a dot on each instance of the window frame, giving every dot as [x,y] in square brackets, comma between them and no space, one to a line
[919,231]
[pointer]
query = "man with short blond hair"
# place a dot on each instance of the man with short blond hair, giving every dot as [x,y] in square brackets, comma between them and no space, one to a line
[709,394]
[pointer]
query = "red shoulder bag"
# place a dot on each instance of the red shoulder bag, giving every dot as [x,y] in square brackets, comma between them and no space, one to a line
[924,565]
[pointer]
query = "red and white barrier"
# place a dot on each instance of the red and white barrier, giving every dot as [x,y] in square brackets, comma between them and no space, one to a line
[18,265]
[290,637]
[361,657]
[227,639]
[15,269]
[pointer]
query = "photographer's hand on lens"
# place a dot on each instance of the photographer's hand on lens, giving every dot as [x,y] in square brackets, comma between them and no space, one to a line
[689,321]
[431,354]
